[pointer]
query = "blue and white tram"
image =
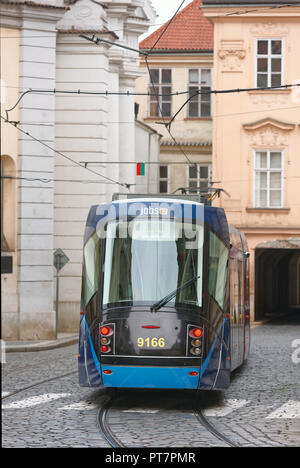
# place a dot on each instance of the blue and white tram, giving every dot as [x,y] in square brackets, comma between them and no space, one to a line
[165,295]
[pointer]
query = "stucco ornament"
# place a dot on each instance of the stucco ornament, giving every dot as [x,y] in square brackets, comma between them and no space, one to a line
[232,54]
[269,99]
[269,29]
[269,133]
[84,15]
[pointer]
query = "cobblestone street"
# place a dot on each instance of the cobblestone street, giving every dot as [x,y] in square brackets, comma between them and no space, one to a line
[261,407]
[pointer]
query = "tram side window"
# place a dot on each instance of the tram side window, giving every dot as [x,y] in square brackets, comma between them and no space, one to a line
[92,267]
[218,260]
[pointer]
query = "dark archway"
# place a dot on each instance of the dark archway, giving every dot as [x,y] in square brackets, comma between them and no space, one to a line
[277,277]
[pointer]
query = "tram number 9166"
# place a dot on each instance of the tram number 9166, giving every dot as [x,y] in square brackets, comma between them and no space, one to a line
[151,342]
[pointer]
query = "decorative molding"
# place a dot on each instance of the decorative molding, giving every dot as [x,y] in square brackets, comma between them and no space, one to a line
[268,210]
[269,29]
[269,133]
[84,15]
[232,53]
[269,98]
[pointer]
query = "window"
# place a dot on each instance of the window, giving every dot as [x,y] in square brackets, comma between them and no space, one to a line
[200,104]
[218,262]
[163,179]
[162,81]
[199,176]
[269,62]
[147,259]
[268,179]
[92,267]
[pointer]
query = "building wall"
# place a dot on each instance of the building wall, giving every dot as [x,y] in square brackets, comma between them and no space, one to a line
[47,53]
[258,120]
[81,134]
[9,56]
[193,134]
[147,144]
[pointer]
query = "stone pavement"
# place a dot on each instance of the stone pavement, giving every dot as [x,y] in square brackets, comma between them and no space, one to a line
[63,339]
[261,407]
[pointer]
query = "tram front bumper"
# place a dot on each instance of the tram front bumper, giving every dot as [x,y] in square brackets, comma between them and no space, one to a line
[150,377]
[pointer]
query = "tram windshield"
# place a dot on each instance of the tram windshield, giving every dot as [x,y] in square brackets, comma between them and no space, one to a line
[146,259]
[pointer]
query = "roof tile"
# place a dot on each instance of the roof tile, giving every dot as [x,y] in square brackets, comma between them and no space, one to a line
[189,30]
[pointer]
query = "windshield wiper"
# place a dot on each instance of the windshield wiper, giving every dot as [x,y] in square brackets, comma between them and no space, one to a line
[157,305]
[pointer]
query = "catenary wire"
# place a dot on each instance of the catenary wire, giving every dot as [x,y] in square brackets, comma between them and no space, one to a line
[14,124]
[166,28]
[237,12]
[156,94]
[213,116]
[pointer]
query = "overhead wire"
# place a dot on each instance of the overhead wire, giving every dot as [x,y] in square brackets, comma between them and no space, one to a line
[47,181]
[157,94]
[237,12]
[15,124]
[167,124]
[154,87]
[166,28]
[213,116]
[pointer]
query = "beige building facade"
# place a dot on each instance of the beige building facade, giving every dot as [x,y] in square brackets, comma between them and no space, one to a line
[180,61]
[256,140]
[193,135]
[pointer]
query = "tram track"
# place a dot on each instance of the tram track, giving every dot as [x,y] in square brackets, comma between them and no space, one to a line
[209,427]
[103,425]
[114,441]
[36,384]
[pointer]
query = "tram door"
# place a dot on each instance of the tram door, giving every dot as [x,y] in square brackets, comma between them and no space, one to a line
[236,300]
[241,318]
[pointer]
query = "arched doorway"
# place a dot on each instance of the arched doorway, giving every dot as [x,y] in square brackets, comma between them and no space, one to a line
[277,277]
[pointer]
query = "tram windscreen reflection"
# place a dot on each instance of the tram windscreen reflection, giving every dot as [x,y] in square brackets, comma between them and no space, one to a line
[146,259]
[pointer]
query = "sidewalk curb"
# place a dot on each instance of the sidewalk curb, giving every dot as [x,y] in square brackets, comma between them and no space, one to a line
[42,346]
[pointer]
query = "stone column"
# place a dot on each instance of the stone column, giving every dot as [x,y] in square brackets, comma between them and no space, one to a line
[80,134]
[35,214]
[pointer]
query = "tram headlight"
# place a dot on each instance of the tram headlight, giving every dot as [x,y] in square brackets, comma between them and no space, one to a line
[105,341]
[196,343]
[195,351]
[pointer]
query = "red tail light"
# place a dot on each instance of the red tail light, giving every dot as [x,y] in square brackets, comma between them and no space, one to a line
[196,332]
[150,326]
[193,374]
[107,372]
[105,349]
[106,331]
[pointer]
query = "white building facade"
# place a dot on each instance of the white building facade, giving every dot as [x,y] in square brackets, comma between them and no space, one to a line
[52,193]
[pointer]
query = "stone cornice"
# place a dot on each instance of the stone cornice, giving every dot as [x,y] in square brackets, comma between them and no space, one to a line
[13,14]
[33,4]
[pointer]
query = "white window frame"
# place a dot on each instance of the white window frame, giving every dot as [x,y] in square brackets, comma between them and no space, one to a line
[269,56]
[268,170]
[159,85]
[198,180]
[164,179]
[199,85]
